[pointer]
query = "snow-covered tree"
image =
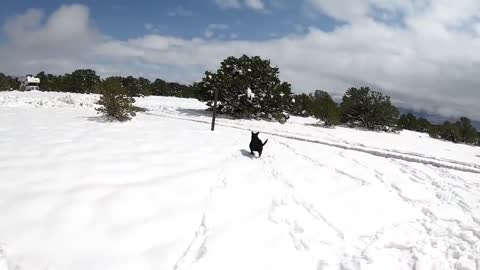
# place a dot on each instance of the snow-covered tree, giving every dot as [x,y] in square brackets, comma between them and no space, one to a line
[247,87]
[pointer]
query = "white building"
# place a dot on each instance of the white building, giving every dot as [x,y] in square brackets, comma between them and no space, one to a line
[29,83]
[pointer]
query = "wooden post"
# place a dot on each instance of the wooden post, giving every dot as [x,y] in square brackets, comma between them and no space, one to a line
[214,109]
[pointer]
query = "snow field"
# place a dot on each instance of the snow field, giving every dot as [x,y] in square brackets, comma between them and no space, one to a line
[164,192]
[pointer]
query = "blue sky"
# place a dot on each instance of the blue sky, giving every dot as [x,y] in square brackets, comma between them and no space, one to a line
[424,54]
[125,19]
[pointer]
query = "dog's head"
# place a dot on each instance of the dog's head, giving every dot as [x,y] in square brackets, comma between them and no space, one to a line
[255,135]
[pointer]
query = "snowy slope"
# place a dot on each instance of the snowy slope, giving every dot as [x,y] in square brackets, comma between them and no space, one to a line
[164,192]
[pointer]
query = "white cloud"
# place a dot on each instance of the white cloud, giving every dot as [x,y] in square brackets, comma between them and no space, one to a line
[212,29]
[257,5]
[431,63]
[69,26]
[345,10]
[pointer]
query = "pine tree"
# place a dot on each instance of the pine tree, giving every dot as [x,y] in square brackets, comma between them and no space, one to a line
[144,86]
[407,121]
[8,83]
[368,109]
[448,131]
[324,108]
[423,125]
[115,104]
[247,87]
[82,81]
[302,105]
[466,132]
[132,86]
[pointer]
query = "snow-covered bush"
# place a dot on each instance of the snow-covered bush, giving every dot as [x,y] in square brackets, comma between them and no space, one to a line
[67,100]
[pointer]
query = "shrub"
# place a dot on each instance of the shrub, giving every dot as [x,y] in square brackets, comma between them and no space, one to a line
[115,104]
[368,109]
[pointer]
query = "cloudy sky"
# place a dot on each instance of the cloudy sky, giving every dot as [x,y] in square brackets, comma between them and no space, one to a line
[424,53]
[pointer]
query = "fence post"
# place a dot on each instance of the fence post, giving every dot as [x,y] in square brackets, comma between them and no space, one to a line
[214,109]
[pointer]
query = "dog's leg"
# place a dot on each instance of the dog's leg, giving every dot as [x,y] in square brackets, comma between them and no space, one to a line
[251,151]
[260,153]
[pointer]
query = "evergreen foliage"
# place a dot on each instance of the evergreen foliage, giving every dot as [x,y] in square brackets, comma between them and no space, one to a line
[87,81]
[465,132]
[411,122]
[302,105]
[324,108]
[247,87]
[115,104]
[461,131]
[368,109]
[8,82]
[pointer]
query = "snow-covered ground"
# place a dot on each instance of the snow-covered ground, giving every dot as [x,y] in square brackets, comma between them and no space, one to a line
[164,192]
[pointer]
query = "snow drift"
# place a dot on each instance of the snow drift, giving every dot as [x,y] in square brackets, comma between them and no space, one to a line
[164,192]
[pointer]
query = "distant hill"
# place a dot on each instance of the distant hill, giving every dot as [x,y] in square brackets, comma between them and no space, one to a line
[435,118]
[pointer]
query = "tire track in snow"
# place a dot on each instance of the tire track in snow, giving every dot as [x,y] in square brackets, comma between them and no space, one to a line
[453,165]
[461,242]
[316,163]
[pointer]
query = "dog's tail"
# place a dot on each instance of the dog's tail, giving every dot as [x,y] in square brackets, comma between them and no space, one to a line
[265,142]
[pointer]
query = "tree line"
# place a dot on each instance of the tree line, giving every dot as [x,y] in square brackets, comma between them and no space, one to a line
[86,81]
[320,105]
[8,82]
[250,87]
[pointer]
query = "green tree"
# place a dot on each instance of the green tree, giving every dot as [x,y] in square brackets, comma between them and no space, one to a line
[44,81]
[302,105]
[461,131]
[466,132]
[407,121]
[368,109]
[187,92]
[247,87]
[434,131]
[448,131]
[324,108]
[423,125]
[115,104]
[145,86]
[50,82]
[159,87]
[132,86]
[8,83]
[82,81]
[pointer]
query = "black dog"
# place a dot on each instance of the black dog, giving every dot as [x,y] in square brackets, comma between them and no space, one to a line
[256,144]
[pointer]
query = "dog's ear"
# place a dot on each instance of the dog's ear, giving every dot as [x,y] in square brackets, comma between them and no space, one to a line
[252,133]
[257,133]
